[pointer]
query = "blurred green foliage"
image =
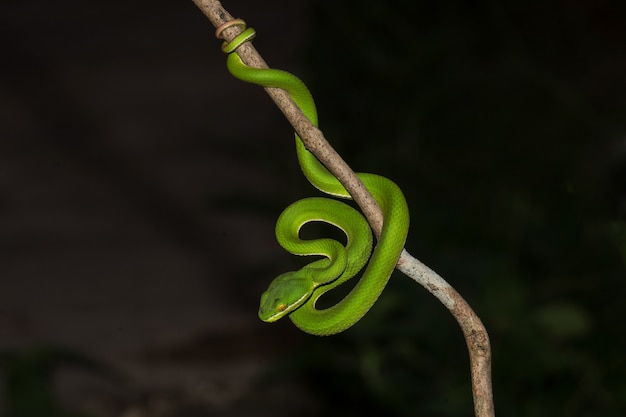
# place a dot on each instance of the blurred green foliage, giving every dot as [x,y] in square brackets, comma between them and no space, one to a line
[29,380]
[503,123]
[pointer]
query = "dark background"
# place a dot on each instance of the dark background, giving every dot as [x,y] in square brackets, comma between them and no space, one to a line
[139,185]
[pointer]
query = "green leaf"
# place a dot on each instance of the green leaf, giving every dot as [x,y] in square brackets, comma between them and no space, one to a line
[563,320]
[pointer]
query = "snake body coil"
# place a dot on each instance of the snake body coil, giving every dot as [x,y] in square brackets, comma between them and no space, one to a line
[296,293]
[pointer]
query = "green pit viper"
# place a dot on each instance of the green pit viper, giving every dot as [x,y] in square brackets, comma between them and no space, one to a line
[295,293]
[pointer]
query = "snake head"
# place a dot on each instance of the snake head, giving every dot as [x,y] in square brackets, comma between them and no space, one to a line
[286,293]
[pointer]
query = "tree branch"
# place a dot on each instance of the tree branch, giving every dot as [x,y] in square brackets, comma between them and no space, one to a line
[474,331]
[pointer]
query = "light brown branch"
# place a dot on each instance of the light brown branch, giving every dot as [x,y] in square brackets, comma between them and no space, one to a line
[474,331]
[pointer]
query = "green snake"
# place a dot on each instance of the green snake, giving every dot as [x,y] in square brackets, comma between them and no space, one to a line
[296,293]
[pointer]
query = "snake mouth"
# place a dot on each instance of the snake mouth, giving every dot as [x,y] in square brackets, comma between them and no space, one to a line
[268,318]
[277,309]
[270,315]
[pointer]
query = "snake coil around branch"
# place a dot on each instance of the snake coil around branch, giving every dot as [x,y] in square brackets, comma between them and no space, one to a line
[314,142]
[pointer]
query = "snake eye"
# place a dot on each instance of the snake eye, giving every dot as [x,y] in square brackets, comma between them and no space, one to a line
[281,307]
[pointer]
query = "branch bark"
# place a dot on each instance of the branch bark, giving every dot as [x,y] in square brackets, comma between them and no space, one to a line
[473,329]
